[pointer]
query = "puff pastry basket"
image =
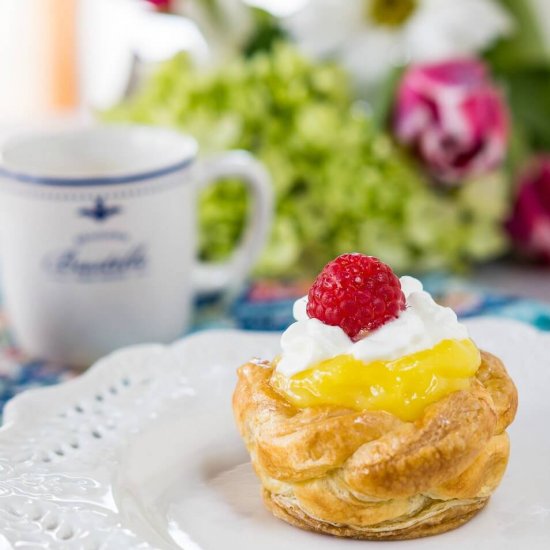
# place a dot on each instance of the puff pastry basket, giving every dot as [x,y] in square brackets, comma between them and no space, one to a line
[368,474]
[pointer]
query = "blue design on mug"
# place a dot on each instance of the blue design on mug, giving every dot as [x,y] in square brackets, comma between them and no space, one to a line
[75,263]
[100,212]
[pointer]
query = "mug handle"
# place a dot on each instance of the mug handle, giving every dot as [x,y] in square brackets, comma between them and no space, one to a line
[210,277]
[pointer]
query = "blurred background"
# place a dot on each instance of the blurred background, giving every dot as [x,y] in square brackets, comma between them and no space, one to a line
[413,130]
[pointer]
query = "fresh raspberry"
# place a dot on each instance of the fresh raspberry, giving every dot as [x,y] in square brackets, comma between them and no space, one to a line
[358,293]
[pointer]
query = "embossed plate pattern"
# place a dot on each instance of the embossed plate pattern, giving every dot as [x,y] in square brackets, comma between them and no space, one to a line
[141,452]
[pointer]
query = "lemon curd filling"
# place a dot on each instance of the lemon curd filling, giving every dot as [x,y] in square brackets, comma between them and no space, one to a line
[403,387]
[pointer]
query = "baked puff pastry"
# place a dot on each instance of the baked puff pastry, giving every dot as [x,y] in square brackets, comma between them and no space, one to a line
[368,474]
[381,419]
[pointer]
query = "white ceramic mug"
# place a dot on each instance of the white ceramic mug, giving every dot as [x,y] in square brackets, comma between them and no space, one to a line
[98,237]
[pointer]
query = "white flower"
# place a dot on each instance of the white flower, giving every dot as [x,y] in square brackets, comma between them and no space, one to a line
[369,37]
[226,24]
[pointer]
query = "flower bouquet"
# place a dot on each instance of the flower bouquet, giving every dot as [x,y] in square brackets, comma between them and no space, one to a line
[391,127]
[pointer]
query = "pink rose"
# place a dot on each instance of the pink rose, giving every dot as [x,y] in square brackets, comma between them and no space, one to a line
[162,5]
[453,117]
[529,225]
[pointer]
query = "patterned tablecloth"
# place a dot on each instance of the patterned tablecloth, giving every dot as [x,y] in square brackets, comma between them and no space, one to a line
[266,306]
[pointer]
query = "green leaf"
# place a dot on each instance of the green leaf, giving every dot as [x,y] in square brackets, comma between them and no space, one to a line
[525,47]
[528,92]
[522,64]
[267,32]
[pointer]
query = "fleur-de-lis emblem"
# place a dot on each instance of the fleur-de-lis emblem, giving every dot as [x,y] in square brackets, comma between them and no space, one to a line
[100,211]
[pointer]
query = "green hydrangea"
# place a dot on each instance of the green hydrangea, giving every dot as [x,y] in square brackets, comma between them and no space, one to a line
[340,184]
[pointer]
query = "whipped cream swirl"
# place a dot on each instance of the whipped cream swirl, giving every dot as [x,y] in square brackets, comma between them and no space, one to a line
[421,326]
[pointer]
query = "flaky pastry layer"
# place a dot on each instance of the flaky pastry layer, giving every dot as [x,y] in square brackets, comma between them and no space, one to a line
[368,474]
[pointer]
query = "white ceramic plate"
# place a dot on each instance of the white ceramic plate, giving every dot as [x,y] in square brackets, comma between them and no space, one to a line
[141,452]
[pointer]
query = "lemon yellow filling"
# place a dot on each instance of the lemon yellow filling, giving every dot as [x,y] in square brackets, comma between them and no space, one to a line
[403,387]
